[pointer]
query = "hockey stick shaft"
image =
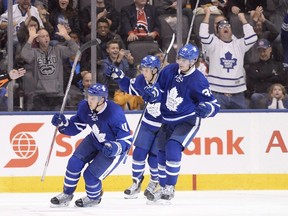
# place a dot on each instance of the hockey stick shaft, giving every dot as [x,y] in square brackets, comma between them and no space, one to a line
[78,54]
[192,22]
[146,103]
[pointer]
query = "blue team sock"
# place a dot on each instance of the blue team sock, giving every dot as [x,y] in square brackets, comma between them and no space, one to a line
[173,161]
[93,185]
[72,175]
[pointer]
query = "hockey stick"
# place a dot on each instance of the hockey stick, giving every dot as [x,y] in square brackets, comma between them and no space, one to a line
[78,54]
[146,103]
[192,21]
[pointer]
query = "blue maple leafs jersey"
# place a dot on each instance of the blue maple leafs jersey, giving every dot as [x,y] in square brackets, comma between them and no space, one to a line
[152,117]
[182,93]
[109,124]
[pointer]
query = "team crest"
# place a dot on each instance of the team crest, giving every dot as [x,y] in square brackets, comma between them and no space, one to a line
[101,137]
[173,101]
[154,109]
[228,62]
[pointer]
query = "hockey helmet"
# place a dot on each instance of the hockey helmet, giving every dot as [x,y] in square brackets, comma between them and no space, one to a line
[98,90]
[150,61]
[189,52]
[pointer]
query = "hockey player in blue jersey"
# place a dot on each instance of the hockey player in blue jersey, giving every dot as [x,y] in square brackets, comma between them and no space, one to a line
[185,98]
[145,143]
[103,149]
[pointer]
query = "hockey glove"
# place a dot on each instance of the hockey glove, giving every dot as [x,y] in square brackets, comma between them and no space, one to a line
[203,110]
[114,72]
[59,120]
[151,94]
[112,148]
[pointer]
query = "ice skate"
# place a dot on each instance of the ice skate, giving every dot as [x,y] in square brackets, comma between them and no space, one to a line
[155,196]
[134,190]
[167,194]
[61,200]
[87,202]
[150,188]
[162,196]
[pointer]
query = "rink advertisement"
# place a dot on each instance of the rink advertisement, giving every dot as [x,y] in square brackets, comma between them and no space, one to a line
[230,151]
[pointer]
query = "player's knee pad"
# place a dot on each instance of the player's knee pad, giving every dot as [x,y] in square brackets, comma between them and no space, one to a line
[75,164]
[173,151]
[139,154]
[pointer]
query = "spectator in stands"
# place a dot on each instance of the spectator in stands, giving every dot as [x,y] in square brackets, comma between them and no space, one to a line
[244,6]
[127,101]
[78,90]
[21,12]
[170,7]
[4,79]
[264,29]
[216,7]
[261,75]
[277,97]
[104,35]
[120,58]
[48,67]
[284,40]
[234,7]
[63,14]
[139,21]
[23,32]
[104,9]
[12,75]
[226,59]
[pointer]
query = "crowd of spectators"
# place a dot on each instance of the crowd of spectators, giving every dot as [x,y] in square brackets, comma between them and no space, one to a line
[249,72]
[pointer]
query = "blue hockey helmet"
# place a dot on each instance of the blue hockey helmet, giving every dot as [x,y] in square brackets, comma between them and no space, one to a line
[98,90]
[189,52]
[150,61]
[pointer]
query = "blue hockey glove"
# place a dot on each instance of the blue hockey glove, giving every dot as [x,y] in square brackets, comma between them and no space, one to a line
[111,149]
[203,110]
[114,72]
[59,120]
[151,94]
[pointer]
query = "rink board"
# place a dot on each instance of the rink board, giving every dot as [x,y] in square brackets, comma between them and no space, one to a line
[242,150]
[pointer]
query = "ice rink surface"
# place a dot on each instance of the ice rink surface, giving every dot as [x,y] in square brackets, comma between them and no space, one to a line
[202,203]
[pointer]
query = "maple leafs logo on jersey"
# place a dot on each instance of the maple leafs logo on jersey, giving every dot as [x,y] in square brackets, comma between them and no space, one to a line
[93,116]
[173,101]
[100,136]
[154,109]
[228,62]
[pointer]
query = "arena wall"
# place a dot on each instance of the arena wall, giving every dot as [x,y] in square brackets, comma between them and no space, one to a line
[233,151]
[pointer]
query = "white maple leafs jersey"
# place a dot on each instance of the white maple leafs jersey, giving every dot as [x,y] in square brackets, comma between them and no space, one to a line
[182,93]
[152,117]
[226,60]
[109,124]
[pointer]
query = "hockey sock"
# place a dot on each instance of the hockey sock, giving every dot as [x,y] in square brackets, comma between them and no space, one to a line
[153,164]
[162,168]
[173,161]
[138,163]
[93,185]
[72,175]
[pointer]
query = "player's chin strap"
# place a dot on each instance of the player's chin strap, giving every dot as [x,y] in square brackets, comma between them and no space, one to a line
[153,76]
[99,104]
[191,65]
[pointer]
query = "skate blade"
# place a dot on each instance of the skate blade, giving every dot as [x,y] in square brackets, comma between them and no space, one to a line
[87,206]
[63,205]
[158,202]
[134,196]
